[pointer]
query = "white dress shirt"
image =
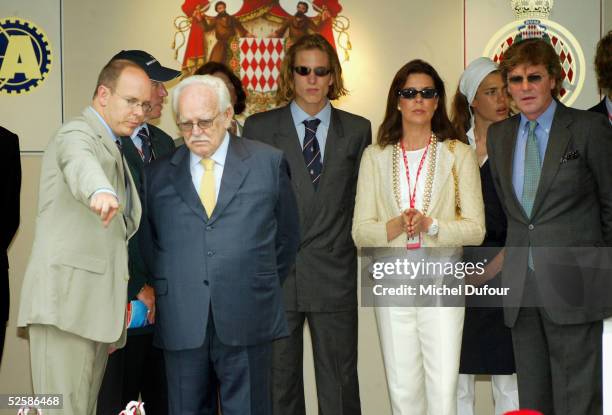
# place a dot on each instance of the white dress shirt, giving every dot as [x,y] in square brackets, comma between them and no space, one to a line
[197,170]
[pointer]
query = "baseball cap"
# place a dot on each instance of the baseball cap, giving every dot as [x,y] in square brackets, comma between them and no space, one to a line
[149,64]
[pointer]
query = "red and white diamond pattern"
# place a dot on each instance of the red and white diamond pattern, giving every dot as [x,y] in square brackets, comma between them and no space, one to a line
[565,56]
[260,61]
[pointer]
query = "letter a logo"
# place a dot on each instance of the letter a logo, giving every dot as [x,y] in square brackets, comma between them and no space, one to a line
[25,56]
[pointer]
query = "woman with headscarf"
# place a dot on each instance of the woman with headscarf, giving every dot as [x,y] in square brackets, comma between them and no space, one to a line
[419,200]
[481,100]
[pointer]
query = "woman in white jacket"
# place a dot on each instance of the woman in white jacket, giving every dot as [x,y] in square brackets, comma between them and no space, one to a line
[419,191]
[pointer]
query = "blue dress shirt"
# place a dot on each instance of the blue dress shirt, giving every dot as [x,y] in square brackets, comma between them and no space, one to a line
[542,132]
[299,116]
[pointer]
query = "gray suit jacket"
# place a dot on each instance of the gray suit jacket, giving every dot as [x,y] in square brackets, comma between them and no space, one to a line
[572,215]
[77,275]
[232,263]
[325,274]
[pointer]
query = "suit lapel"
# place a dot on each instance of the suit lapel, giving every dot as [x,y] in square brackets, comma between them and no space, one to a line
[506,163]
[558,140]
[234,173]
[180,176]
[287,140]
[443,173]
[106,139]
[385,171]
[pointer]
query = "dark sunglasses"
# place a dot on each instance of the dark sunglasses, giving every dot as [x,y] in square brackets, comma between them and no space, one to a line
[318,71]
[532,79]
[411,93]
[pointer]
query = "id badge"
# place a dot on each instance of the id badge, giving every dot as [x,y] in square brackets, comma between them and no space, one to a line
[414,242]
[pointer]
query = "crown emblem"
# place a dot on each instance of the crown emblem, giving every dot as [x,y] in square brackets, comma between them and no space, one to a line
[530,9]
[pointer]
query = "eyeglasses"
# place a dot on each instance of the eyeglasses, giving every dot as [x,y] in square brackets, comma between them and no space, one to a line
[411,93]
[187,126]
[532,79]
[133,103]
[319,71]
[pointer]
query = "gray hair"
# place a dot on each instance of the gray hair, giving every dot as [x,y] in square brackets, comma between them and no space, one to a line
[212,82]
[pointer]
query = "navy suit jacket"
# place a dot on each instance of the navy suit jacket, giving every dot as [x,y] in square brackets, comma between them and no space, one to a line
[232,263]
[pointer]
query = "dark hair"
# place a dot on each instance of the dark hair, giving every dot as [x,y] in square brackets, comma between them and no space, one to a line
[286,91]
[211,68]
[390,130]
[109,75]
[461,117]
[603,63]
[304,4]
[534,51]
[219,3]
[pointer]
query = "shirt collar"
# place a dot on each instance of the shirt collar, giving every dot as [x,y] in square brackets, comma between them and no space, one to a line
[544,120]
[299,115]
[137,130]
[218,156]
[112,134]
[608,105]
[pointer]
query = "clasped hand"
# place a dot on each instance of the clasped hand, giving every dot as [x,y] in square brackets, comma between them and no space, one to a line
[414,222]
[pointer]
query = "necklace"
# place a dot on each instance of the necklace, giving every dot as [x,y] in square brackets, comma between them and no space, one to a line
[398,155]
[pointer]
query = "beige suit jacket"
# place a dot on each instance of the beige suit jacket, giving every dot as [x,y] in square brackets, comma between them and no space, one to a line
[77,274]
[376,205]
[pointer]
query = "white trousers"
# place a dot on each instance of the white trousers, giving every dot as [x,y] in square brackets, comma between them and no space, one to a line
[505,394]
[421,348]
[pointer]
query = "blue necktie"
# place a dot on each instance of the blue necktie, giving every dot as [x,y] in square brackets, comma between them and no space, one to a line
[311,151]
[531,175]
[147,153]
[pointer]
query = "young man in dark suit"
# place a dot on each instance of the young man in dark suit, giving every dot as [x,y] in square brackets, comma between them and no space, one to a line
[10,168]
[552,171]
[324,147]
[138,368]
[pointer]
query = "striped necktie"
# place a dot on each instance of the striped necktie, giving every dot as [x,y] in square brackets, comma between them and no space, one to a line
[147,153]
[311,151]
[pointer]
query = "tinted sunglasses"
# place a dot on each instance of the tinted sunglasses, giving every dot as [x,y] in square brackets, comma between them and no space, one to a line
[411,93]
[318,71]
[532,79]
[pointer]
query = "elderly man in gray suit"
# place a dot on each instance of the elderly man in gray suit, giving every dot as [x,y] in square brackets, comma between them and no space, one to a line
[219,232]
[324,147]
[552,171]
[74,292]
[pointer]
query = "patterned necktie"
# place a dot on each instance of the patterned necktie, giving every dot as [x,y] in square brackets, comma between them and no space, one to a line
[147,153]
[207,186]
[311,151]
[531,176]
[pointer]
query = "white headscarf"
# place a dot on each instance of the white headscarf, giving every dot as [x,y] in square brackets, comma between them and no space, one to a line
[473,75]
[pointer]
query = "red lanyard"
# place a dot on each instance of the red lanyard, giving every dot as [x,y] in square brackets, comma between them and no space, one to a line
[412,195]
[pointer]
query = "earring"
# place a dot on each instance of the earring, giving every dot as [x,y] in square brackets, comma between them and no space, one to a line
[398,108]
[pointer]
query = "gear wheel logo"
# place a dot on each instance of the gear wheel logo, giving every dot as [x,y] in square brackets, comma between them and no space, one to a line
[25,56]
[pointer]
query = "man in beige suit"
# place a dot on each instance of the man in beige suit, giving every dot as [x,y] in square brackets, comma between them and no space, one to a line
[75,287]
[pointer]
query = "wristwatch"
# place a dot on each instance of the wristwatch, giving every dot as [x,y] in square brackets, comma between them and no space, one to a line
[433,228]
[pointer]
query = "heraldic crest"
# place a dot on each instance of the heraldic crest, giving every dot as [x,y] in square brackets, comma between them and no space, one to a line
[251,37]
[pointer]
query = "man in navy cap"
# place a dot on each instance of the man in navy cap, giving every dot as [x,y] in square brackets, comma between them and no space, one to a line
[138,368]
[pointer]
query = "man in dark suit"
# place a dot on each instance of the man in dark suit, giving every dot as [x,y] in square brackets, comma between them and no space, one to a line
[220,233]
[138,368]
[10,166]
[603,69]
[324,147]
[551,168]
